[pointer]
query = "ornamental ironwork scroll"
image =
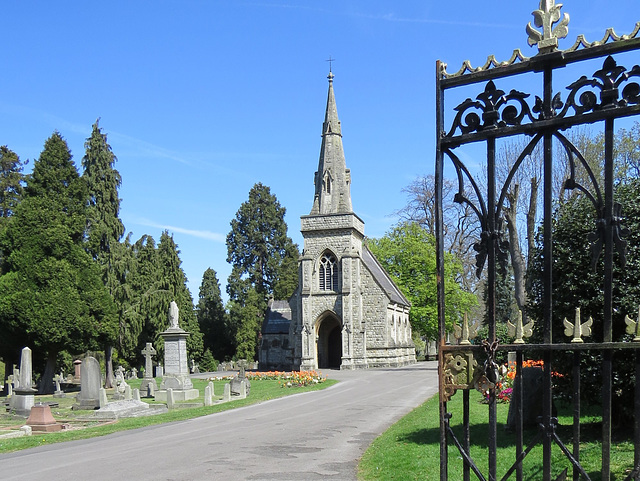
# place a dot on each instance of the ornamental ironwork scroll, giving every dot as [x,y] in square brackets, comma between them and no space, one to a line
[603,95]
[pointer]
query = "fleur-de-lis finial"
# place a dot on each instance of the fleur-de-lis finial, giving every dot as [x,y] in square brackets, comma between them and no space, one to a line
[577,330]
[545,17]
[633,327]
[519,330]
[466,332]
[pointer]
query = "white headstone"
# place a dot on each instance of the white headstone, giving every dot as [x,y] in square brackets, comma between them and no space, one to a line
[25,369]
[103,397]
[226,397]
[208,399]
[170,401]
[243,389]
[23,399]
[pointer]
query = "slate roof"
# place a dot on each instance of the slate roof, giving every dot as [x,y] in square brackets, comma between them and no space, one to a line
[382,278]
[278,318]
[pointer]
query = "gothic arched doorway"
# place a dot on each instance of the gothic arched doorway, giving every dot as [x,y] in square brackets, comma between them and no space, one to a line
[329,342]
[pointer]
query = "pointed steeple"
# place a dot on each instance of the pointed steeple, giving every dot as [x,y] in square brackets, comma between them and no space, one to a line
[333,179]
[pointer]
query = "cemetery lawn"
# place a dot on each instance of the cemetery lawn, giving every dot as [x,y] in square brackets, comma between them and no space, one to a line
[81,428]
[410,449]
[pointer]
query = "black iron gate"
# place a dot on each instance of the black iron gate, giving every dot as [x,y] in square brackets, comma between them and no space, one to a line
[599,97]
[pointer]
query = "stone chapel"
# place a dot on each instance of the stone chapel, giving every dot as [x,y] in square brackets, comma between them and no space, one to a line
[346,313]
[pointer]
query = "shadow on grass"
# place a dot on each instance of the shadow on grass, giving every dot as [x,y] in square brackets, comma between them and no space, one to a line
[479,435]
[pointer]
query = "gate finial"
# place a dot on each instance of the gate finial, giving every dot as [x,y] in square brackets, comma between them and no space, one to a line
[633,327]
[519,330]
[545,17]
[578,329]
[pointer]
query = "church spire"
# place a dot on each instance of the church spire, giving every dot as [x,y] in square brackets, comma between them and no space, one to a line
[333,179]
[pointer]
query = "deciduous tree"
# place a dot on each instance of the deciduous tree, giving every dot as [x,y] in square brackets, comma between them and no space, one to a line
[408,254]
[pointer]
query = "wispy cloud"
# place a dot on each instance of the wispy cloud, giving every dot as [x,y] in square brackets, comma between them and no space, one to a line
[202,234]
[386,17]
[146,149]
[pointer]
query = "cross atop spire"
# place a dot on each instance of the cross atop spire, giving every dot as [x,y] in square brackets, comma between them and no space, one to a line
[330,60]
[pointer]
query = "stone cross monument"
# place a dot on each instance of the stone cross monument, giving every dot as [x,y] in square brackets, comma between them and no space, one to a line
[148,352]
[176,368]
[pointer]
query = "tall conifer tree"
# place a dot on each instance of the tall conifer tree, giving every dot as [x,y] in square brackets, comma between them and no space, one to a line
[261,254]
[11,188]
[212,318]
[173,282]
[52,297]
[11,182]
[105,229]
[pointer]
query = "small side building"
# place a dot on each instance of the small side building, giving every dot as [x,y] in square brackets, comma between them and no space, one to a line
[347,312]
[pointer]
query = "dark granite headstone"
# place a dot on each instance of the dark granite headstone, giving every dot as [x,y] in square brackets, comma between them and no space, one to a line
[532,399]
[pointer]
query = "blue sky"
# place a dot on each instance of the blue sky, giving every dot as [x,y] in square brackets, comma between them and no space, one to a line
[202,99]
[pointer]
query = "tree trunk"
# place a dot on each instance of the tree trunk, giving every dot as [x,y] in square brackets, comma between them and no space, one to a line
[531,217]
[517,259]
[46,381]
[108,366]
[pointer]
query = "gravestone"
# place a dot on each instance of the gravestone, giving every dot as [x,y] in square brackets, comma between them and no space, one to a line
[532,399]
[118,391]
[23,397]
[103,397]
[208,396]
[195,369]
[135,394]
[226,396]
[148,352]
[77,364]
[58,378]
[134,373]
[16,377]
[159,370]
[41,420]
[240,385]
[127,392]
[90,384]
[170,399]
[176,370]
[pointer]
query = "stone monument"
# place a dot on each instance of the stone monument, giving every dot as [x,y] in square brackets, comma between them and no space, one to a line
[23,395]
[90,384]
[118,391]
[58,378]
[176,370]
[148,352]
[41,419]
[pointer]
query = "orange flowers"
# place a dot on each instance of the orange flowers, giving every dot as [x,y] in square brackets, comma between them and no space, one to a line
[289,379]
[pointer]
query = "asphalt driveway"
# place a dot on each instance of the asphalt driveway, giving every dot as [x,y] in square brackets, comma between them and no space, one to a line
[309,436]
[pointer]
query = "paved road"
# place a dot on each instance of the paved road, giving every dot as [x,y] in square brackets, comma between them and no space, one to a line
[309,436]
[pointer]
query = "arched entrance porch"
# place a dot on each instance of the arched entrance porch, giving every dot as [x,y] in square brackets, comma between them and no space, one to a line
[329,348]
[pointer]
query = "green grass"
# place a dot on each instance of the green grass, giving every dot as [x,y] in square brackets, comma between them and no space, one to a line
[260,391]
[410,449]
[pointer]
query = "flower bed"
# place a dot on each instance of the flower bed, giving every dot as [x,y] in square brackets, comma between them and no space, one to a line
[504,386]
[289,379]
